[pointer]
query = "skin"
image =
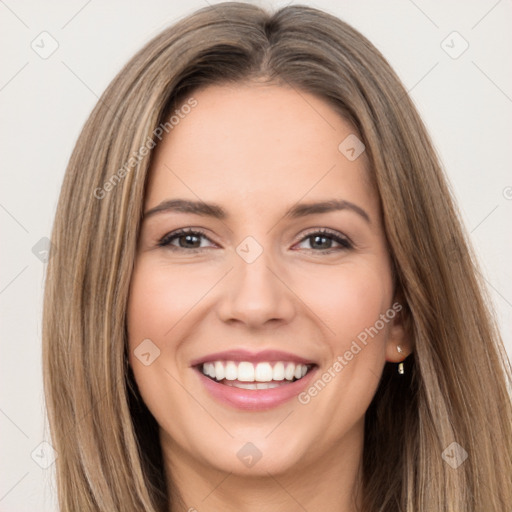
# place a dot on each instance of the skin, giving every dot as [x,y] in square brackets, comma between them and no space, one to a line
[257,150]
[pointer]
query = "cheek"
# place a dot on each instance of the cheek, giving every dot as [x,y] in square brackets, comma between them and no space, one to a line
[156,305]
[159,300]
[350,303]
[348,300]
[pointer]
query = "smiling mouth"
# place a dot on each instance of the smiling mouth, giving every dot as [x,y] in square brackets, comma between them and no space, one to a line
[246,375]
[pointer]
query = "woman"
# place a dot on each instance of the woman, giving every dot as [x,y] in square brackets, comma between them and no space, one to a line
[261,295]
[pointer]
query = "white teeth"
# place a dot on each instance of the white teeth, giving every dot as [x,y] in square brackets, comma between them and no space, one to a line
[263,372]
[278,371]
[300,371]
[242,385]
[253,385]
[246,372]
[260,373]
[219,370]
[267,385]
[231,371]
[209,369]
[289,371]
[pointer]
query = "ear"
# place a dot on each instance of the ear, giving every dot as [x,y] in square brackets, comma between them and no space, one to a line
[399,344]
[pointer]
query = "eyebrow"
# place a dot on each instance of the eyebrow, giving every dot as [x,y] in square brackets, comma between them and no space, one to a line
[216,211]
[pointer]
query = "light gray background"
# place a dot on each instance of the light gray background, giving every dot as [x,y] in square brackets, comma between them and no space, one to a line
[465,102]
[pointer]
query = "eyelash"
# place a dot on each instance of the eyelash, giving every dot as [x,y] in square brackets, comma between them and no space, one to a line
[345,243]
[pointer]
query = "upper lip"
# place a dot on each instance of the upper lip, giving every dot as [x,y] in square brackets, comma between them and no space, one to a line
[252,357]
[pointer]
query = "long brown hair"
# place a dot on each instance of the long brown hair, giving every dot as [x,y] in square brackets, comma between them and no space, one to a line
[455,385]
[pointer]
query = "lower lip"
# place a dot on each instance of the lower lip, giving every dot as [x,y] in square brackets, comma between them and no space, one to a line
[256,399]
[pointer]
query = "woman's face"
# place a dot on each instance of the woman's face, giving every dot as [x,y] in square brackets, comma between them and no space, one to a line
[256,292]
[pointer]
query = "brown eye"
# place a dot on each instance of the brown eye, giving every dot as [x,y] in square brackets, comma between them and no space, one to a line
[187,239]
[322,241]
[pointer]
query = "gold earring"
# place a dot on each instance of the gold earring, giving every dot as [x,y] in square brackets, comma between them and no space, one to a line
[401,364]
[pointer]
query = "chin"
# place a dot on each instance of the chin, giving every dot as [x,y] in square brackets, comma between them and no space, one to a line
[255,452]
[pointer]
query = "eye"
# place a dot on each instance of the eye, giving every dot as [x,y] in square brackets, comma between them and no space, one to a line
[323,239]
[320,240]
[187,239]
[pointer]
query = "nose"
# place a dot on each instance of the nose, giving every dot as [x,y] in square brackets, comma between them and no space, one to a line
[256,295]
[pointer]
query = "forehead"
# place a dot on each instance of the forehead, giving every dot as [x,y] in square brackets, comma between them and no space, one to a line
[257,144]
